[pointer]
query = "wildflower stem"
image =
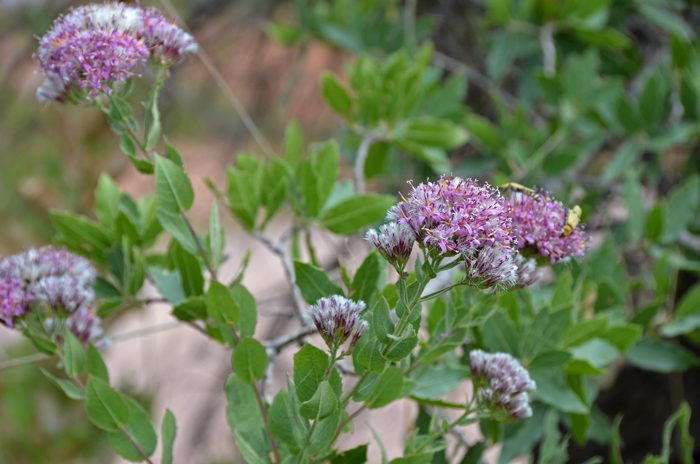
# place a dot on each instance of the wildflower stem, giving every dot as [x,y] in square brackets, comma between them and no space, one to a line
[135,443]
[369,139]
[200,247]
[230,96]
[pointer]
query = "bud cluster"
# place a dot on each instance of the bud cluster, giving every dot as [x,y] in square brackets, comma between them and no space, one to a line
[502,384]
[394,241]
[338,320]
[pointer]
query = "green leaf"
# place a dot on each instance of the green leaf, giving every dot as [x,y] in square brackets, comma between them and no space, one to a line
[314,283]
[499,334]
[173,188]
[682,417]
[682,207]
[382,324]
[435,381]
[42,344]
[661,356]
[321,405]
[368,353]
[628,115]
[127,145]
[107,196]
[71,390]
[293,144]
[105,407]
[300,426]
[74,354]
[351,215]
[140,429]
[246,420]
[623,336]
[244,190]
[656,222]
[168,431]
[681,326]
[597,352]
[423,458]
[176,225]
[336,94]
[388,388]
[169,284]
[283,34]
[249,359]
[690,303]
[190,270]
[403,347]
[433,132]
[276,179]
[353,456]
[248,312]
[221,305]
[81,231]
[96,365]
[486,133]
[216,236]
[667,20]
[141,165]
[172,154]
[323,435]
[368,280]
[553,390]
[310,364]
[191,309]
[280,421]
[550,360]
[583,331]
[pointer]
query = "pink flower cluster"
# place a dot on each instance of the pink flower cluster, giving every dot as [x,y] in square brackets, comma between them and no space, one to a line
[503,384]
[55,277]
[94,46]
[539,225]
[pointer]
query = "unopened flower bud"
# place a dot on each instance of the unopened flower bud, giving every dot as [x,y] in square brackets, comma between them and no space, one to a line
[502,383]
[338,319]
[394,241]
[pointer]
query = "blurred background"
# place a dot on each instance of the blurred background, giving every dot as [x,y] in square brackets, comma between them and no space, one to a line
[597,101]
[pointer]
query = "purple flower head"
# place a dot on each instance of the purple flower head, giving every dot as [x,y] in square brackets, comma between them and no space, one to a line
[539,225]
[455,216]
[394,241]
[164,39]
[92,47]
[491,267]
[12,300]
[338,319]
[62,279]
[503,384]
[83,323]
[527,271]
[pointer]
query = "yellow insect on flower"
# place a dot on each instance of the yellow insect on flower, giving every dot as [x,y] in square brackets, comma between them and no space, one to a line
[515,187]
[572,221]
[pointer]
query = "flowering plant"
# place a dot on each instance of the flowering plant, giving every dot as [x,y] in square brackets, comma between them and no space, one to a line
[478,289]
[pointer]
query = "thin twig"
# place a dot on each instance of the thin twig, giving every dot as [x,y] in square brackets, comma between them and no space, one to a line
[282,342]
[221,83]
[23,361]
[368,140]
[475,77]
[288,265]
[200,247]
[549,51]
